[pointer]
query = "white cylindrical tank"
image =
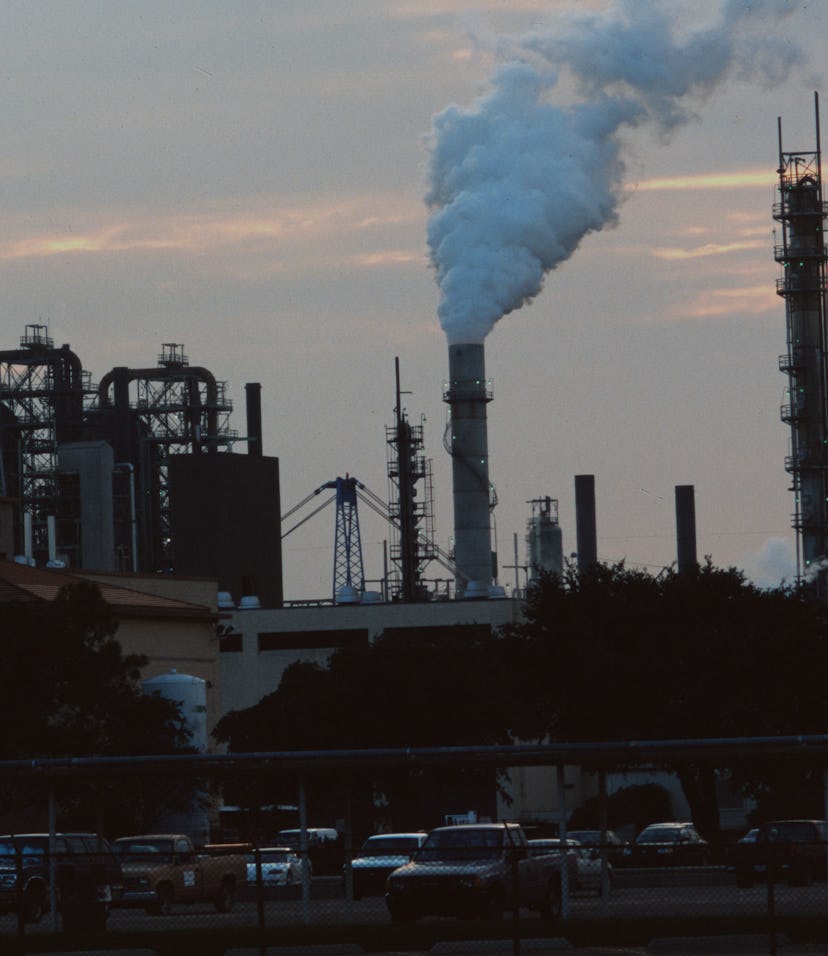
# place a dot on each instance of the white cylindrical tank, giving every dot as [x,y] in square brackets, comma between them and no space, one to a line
[544,542]
[191,695]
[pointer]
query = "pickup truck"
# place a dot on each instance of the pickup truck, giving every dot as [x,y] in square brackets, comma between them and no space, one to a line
[474,870]
[160,869]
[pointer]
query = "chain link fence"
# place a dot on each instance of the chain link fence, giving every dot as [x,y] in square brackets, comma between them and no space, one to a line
[256,852]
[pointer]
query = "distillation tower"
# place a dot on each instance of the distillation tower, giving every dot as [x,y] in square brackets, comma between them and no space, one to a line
[801,212]
[410,504]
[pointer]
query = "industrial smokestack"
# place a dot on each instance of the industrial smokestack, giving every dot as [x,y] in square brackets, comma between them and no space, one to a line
[253,396]
[467,397]
[585,526]
[686,528]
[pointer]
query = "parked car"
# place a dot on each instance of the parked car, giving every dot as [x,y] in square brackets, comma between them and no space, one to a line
[377,858]
[280,866]
[600,840]
[87,873]
[474,870]
[551,846]
[324,847]
[667,844]
[796,850]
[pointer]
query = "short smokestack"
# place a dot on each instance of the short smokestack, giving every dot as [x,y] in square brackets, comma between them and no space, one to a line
[253,397]
[686,528]
[585,527]
[467,397]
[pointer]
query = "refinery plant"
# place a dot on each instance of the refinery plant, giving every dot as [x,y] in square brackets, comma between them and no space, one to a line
[143,472]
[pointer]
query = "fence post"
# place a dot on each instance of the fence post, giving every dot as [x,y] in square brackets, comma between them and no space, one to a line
[21,918]
[603,820]
[516,902]
[53,888]
[260,908]
[303,849]
[562,838]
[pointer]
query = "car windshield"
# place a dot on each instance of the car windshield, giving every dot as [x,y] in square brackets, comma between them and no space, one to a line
[466,844]
[793,831]
[544,847]
[8,849]
[384,845]
[587,837]
[658,835]
[274,856]
[159,851]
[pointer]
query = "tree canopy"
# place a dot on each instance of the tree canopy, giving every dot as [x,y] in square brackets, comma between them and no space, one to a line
[610,654]
[69,690]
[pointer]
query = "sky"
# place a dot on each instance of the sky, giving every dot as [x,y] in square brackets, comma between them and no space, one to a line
[250,179]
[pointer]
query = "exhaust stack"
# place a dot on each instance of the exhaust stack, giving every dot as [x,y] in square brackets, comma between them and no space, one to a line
[467,396]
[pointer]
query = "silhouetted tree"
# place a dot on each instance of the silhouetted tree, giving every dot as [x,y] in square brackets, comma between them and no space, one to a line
[610,654]
[69,690]
[631,656]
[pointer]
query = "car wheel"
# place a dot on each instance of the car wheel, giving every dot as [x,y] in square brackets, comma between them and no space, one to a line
[401,915]
[551,906]
[495,904]
[163,901]
[34,904]
[801,875]
[744,878]
[226,896]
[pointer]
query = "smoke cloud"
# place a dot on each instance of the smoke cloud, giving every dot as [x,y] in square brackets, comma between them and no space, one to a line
[516,180]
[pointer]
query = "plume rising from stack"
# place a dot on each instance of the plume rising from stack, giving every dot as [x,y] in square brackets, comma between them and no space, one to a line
[517,180]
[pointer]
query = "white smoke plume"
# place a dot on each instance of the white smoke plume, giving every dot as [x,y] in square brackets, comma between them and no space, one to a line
[516,180]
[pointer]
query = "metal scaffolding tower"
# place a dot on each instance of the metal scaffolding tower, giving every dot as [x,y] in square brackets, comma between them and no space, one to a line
[155,413]
[348,570]
[410,503]
[44,396]
[802,212]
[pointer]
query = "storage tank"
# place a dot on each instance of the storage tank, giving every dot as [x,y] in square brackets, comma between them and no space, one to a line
[191,694]
[544,542]
[186,808]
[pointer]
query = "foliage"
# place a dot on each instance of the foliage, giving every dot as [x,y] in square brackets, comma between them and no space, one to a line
[676,656]
[69,689]
[636,806]
[419,689]
[609,654]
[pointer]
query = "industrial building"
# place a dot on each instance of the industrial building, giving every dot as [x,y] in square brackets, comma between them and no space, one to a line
[121,476]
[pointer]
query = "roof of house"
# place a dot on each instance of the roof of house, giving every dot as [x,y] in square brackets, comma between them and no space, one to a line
[21,583]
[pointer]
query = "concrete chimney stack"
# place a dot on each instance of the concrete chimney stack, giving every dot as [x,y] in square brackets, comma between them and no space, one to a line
[467,396]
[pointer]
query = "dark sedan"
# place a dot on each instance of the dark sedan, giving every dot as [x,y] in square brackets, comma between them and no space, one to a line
[667,844]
